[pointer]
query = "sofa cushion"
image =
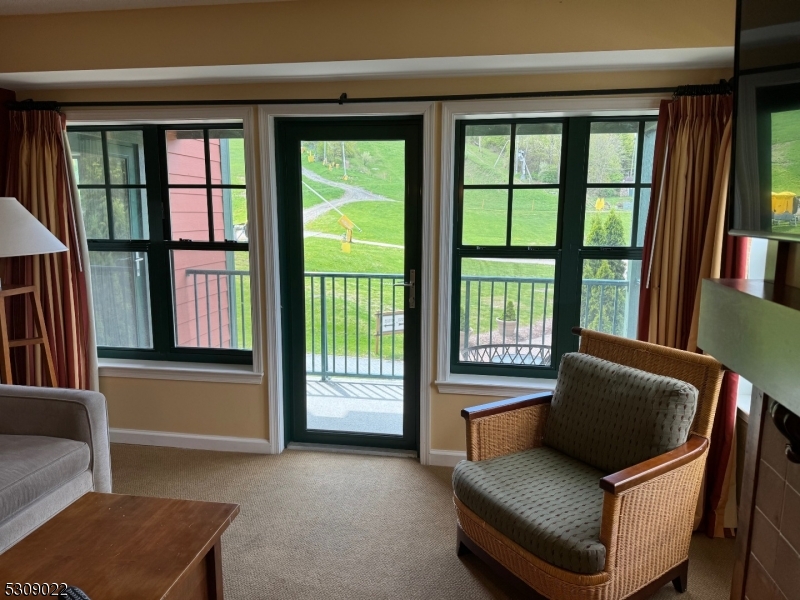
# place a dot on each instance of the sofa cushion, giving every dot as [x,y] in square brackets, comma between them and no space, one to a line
[31,466]
[548,503]
[612,417]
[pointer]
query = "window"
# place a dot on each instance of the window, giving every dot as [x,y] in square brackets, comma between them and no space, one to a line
[549,225]
[165,212]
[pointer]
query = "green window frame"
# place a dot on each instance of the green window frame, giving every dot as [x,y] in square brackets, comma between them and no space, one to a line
[564,299]
[148,247]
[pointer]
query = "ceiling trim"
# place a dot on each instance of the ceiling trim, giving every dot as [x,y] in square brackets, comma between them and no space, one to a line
[402,68]
[40,7]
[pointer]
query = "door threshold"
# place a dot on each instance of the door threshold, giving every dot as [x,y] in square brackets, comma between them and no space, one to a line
[337,449]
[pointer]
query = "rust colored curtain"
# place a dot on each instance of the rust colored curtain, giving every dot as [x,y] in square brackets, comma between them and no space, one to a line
[39,176]
[685,242]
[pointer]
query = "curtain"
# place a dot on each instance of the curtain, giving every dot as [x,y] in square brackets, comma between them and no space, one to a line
[39,176]
[685,242]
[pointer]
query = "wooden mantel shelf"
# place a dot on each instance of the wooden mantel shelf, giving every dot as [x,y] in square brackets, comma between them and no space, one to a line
[753,328]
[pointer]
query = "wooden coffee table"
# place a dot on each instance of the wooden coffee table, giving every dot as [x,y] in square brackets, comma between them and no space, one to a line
[114,546]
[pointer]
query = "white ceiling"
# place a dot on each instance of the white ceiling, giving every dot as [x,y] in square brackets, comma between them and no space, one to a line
[446,66]
[28,7]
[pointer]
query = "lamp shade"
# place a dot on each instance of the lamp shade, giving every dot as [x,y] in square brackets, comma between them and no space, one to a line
[22,234]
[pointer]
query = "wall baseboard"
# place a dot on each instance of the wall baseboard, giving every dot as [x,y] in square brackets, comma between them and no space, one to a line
[446,458]
[191,441]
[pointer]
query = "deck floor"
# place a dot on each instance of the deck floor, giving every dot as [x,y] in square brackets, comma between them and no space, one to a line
[362,406]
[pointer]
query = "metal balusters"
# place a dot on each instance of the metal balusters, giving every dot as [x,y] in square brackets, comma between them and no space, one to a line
[219,311]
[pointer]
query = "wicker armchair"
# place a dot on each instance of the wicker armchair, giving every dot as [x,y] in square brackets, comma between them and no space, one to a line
[647,509]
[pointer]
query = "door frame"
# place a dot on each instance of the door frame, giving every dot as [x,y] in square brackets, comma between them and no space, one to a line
[274,341]
[290,134]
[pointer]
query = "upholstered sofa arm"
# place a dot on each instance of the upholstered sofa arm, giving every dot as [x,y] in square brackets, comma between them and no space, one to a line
[506,426]
[648,512]
[61,413]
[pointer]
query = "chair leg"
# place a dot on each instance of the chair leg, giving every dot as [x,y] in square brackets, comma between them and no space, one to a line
[461,547]
[681,581]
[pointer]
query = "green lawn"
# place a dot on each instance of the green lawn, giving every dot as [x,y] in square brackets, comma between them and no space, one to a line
[786,159]
[378,221]
[534,217]
[326,256]
[238,197]
[786,152]
[377,166]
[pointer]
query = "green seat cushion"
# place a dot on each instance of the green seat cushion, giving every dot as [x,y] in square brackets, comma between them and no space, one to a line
[548,503]
[612,417]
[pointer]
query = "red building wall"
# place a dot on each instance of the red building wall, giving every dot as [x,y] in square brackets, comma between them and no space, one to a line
[201,302]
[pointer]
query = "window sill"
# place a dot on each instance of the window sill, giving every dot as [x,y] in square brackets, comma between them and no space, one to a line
[476,385]
[178,371]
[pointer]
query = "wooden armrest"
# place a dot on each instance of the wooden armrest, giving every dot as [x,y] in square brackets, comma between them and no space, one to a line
[501,406]
[650,469]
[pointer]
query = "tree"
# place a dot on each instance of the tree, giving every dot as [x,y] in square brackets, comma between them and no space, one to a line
[603,304]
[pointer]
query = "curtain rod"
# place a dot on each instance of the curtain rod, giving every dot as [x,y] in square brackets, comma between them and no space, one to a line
[723,88]
[342,99]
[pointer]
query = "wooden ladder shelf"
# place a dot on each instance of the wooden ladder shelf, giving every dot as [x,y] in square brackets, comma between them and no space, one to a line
[39,339]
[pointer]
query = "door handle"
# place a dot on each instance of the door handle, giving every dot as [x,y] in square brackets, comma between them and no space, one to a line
[412,288]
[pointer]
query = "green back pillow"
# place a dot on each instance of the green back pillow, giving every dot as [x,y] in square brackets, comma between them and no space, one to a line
[611,416]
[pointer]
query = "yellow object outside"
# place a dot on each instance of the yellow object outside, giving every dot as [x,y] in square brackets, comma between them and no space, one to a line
[310,157]
[345,222]
[346,247]
[782,202]
[600,204]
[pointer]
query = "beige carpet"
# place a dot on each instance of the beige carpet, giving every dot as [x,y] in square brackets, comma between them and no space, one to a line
[328,526]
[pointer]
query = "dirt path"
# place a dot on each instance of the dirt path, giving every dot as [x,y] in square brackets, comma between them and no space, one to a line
[331,236]
[352,193]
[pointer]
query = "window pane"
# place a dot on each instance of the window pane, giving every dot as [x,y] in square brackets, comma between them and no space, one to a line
[538,150]
[486,154]
[644,206]
[125,157]
[121,297]
[648,151]
[612,152]
[87,156]
[95,213]
[506,313]
[230,214]
[226,147]
[211,291]
[609,213]
[534,218]
[130,214]
[188,213]
[485,218]
[610,296]
[186,156]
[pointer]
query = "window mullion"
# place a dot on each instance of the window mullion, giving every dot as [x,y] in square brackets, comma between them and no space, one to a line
[107,175]
[512,161]
[209,195]
[637,191]
[568,286]
[160,288]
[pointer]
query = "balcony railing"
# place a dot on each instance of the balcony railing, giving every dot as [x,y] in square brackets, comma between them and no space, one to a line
[355,322]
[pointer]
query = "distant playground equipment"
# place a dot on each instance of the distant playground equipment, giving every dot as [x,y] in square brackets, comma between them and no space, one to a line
[785,207]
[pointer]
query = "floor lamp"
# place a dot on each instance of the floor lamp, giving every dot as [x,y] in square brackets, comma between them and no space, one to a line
[21,234]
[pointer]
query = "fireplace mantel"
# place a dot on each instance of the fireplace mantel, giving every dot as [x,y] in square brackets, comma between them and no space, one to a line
[753,328]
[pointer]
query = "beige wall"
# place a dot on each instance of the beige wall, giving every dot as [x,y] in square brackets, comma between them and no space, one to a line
[269,33]
[320,30]
[236,410]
